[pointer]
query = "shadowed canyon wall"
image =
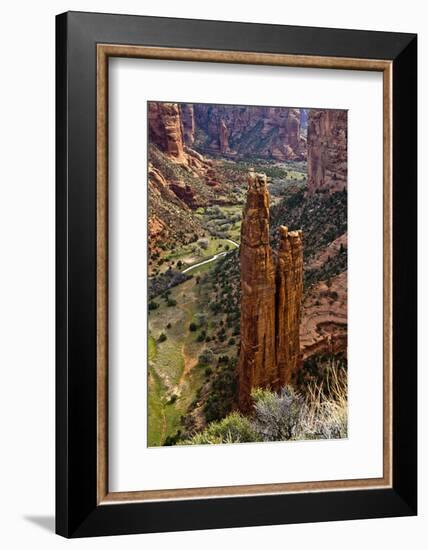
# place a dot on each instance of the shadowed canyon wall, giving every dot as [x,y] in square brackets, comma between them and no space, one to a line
[263,132]
[271,297]
[327,150]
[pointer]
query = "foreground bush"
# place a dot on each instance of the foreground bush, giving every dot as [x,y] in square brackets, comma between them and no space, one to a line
[235,428]
[286,415]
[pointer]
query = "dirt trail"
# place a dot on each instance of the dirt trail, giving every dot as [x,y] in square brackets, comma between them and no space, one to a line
[189,363]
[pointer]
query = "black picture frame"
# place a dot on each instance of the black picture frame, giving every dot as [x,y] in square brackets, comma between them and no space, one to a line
[77,511]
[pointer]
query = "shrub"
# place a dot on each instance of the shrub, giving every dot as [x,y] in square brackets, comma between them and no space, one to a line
[193,327]
[153,305]
[203,243]
[278,417]
[171,303]
[206,357]
[162,337]
[235,428]
[323,414]
[201,336]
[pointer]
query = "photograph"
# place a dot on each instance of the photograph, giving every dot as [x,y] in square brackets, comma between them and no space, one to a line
[247,273]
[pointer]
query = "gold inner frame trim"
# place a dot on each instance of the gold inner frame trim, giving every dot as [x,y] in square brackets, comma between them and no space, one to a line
[104,51]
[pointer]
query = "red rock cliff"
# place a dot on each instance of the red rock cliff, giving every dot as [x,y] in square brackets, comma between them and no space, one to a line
[271,295]
[165,129]
[264,132]
[188,121]
[327,150]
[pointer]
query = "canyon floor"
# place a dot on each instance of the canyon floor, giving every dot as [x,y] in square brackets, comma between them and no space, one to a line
[194,325]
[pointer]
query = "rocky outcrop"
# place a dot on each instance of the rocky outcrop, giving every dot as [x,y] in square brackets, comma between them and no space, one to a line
[264,132]
[165,130]
[184,192]
[271,294]
[170,217]
[188,122]
[171,132]
[324,326]
[327,150]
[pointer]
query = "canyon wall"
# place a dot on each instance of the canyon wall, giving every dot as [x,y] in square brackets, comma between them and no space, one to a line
[165,130]
[271,297]
[171,130]
[327,143]
[172,164]
[263,132]
[188,123]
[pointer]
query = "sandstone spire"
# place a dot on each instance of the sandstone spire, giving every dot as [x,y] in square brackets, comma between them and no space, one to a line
[271,296]
[289,290]
[257,364]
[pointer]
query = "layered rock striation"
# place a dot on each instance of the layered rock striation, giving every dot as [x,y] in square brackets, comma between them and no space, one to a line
[171,130]
[271,297]
[327,150]
[265,132]
[165,130]
[188,123]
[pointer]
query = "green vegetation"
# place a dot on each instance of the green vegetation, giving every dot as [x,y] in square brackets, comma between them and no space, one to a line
[194,317]
[222,390]
[235,428]
[284,416]
[151,348]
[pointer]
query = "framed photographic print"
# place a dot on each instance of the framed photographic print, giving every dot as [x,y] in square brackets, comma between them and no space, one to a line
[236,274]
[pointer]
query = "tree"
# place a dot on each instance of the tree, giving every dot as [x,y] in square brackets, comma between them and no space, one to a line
[193,327]
[206,357]
[203,243]
[162,337]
